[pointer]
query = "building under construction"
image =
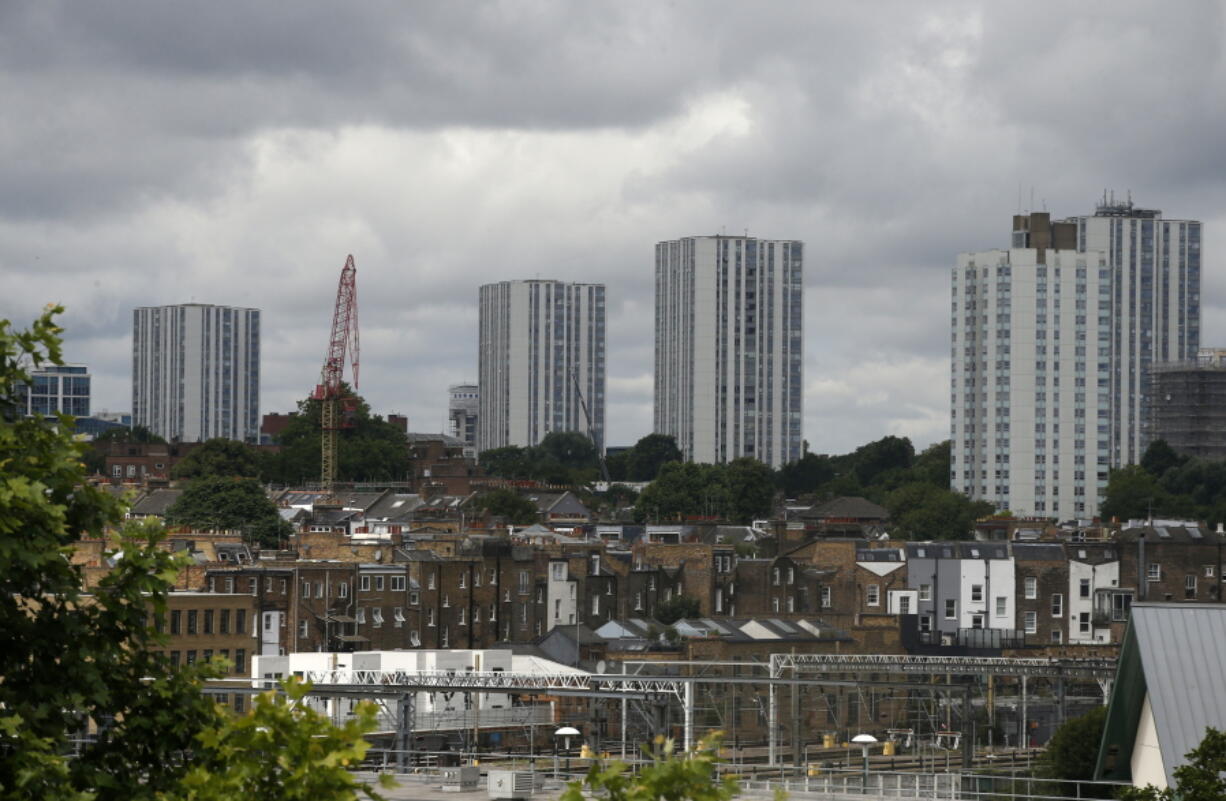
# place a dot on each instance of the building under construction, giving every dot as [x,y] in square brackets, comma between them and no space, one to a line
[1189,404]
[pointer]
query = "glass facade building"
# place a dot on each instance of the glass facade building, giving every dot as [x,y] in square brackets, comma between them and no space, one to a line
[57,389]
[729,320]
[196,371]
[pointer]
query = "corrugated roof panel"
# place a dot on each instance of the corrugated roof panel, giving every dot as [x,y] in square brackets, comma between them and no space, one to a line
[1183,655]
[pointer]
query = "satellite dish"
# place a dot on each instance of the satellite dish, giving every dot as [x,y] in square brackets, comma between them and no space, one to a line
[600,666]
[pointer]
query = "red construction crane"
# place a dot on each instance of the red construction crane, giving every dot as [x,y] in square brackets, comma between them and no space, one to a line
[335,409]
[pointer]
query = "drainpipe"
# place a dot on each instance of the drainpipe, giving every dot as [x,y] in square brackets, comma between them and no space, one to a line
[1142,570]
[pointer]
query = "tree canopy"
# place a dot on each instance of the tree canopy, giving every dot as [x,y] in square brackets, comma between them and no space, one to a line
[649,454]
[507,504]
[73,659]
[215,503]
[218,457]
[562,457]
[1202,778]
[1072,752]
[370,449]
[1168,485]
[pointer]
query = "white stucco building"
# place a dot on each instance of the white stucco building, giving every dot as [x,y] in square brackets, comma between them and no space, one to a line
[728,347]
[196,371]
[538,340]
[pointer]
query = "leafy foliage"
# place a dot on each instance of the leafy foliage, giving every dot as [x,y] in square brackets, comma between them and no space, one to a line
[1072,752]
[649,454]
[925,512]
[216,503]
[1169,485]
[95,453]
[219,457]
[679,608]
[669,776]
[370,449]
[284,749]
[741,491]
[562,457]
[1203,778]
[507,504]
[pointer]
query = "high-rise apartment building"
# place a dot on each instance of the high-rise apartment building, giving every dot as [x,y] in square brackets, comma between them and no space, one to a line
[463,403]
[56,388]
[541,344]
[196,371]
[728,355]
[1052,346]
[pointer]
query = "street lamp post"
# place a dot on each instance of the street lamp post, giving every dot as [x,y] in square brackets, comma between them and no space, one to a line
[564,734]
[864,741]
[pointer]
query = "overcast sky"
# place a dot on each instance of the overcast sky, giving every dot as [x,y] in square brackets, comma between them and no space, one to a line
[155,153]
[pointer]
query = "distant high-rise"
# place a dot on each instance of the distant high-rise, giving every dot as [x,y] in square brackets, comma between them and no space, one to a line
[462,407]
[196,371]
[728,355]
[57,388]
[1052,346]
[538,340]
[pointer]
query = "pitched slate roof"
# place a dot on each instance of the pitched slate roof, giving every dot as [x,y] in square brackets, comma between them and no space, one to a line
[155,502]
[848,507]
[1177,654]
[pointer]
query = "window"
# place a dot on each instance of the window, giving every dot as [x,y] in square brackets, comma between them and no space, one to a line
[1032,587]
[1189,587]
[376,616]
[224,621]
[476,609]
[359,615]
[191,657]
[1084,589]
[775,577]
[1031,622]
[1057,605]
[557,571]
[1153,572]
[463,580]
[872,595]
[430,617]
[462,618]
[304,628]
[230,584]
[976,593]
[192,615]
[1083,623]
[379,583]
[951,608]
[208,619]
[925,592]
[174,658]
[1057,636]
[446,637]
[1002,605]
[976,621]
[523,582]
[364,583]
[476,578]
[595,604]
[306,589]
[240,621]
[446,601]
[430,582]
[638,601]
[827,599]
[774,604]
[925,623]
[719,599]
[1209,571]
[791,604]
[319,589]
[342,590]
[175,621]
[791,575]
[240,660]
[397,583]
[493,613]
[904,604]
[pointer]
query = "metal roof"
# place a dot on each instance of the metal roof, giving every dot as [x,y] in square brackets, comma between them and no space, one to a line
[1183,656]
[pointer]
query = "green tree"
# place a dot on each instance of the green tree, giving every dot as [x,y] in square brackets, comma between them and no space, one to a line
[1160,457]
[1072,753]
[679,608]
[751,489]
[570,449]
[71,659]
[368,449]
[510,462]
[218,457]
[684,489]
[507,504]
[649,454]
[886,454]
[932,465]
[96,451]
[1202,778]
[216,503]
[668,776]
[922,511]
[805,474]
[1131,493]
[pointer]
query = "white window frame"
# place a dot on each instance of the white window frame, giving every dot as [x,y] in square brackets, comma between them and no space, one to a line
[1153,572]
[398,583]
[925,592]
[1002,606]
[360,615]
[398,616]
[376,616]
[342,589]
[872,595]
[364,584]
[951,603]
[827,597]
[1057,604]
[1031,624]
[976,593]
[1031,585]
